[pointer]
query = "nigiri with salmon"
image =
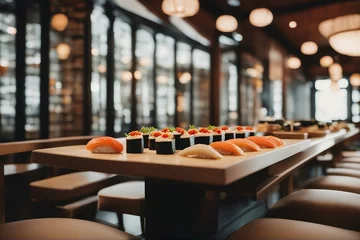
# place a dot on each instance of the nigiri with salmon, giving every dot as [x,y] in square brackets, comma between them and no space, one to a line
[277,140]
[227,148]
[104,145]
[245,145]
[263,142]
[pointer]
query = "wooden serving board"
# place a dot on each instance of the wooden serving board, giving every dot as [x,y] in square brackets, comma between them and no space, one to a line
[320,133]
[290,135]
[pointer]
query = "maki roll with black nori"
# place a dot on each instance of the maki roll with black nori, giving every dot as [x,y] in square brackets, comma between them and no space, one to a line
[152,136]
[229,133]
[218,135]
[203,136]
[251,131]
[185,139]
[146,131]
[240,132]
[134,142]
[165,144]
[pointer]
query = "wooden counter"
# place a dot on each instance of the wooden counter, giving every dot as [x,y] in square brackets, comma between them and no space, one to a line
[172,167]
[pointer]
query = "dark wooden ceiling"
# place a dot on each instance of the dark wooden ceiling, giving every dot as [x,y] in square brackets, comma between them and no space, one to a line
[307,13]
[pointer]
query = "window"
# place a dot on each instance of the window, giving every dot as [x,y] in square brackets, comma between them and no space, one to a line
[331,100]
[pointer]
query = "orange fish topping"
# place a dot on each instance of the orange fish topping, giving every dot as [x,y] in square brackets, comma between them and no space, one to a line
[104,141]
[165,130]
[165,135]
[239,128]
[192,131]
[217,130]
[248,128]
[135,133]
[180,130]
[225,128]
[204,130]
[156,134]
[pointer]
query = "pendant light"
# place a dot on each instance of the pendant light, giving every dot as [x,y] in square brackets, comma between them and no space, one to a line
[335,72]
[226,23]
[326,61]
[293,63]
[59,22]
[261,17]
[309,48]
[355,80]
[180,8]
[63,51]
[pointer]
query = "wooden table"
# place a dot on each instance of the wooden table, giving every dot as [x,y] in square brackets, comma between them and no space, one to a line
[178,203]
[26,146]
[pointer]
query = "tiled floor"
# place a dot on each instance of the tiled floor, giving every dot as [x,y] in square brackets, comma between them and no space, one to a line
[131,222]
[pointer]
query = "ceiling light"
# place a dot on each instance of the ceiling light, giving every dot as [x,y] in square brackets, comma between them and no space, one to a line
[226,23]
[292,24]
[234,3]
[343,33]
[63,51]
[11,30]
[326,61]
[237,36]
[180,8]
[355,79]
[102,68]
[309,48]
[95,52]
[185,78]
[293,63]
[261,17]
[335,72]
[137,75]
[59,22]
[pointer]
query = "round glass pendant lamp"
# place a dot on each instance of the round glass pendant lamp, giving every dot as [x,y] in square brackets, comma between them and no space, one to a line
[309,48]
[261,17]
[326,61]
[335,72]
[355,79]
[180,8]
[59,22]
[293,63]
[226,23]
[63,51]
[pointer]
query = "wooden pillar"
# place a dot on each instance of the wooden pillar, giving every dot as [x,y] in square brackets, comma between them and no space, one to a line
[239,82]
[215,83]
[133,124]
[154,116]
[2,193]
[110,110]
[287,186]
[20,73]
[284,91]
[87,112]
[192,87]
[176,79]
[44,68]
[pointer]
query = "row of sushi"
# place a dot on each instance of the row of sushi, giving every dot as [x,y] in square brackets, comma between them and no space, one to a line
[167,140]
[236,147]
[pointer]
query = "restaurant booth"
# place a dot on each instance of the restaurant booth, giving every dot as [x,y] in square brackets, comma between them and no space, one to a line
[179,119]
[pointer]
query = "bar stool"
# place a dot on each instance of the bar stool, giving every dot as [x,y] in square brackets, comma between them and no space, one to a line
[59,229]
[327,207]
[284,229]
[68,194]
[343,172]
[332,182]
[126,197]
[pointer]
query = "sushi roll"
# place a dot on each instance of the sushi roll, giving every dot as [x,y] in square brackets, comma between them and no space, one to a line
[177,134]
[168,130]
[218,134]
[146,131]
[152,136]
[165,144]
[134,142]
[183,139]
[229,133]
[104,145]
[251,131]
[240,132]
[203,136]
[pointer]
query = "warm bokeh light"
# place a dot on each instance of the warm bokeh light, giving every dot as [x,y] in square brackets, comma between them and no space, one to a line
[162,79]
[326,61]
[261,17]
[63,51]
[293,63]
[137,75]
[95,52]
[309,48]
[292,24]
[180,8]
[11,30]
[226,23]
[335,72]
[355,79]
[126,76]
[185,78]
[102,68]
[59,22]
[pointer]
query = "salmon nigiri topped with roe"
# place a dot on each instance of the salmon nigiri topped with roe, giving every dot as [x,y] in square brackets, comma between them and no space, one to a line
[227,148]
[263,142]
[104,145]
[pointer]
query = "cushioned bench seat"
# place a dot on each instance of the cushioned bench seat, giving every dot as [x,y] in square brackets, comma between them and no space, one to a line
[21,168]
[350,153]
[127,197]
[349,165]
[60,229]
[351,160]
[69,186]
[328,207]
[343,172]
[340,183]
[284,229]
